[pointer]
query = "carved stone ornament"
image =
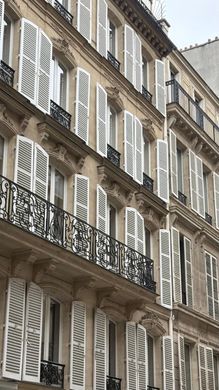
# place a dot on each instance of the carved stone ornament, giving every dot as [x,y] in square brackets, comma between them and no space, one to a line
[149,131]
[105,293]
[63,48]
[114,311]
[7,126]
[152,220]
[152,323]
[114,190]
[14,8]
[198,147]
[171,121]
[82,284]
[114,96]
[22,263]
[200,237]
[216,167]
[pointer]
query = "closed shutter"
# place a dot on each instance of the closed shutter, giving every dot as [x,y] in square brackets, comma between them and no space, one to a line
[2,11]
[193,182]
[138,64]
[162,170]
[100,351]
[165,269]
[176,264]
[140,247]
[81,197]
[209,284]
[129,143]
[41,167]
[210,369]
[45,72]
[168,364]
[200,187]
[33,333]
[24,163]
[78,346]
[101,127]
[82,104]
[102,210]
[182,363]
[202,368]
[216,198]
[102,35]
[173,163]
[160,87]
[138,151]
[188,271]
[142,357]
[129,53]
[84,18]
[14,329]
[131,356]
[27,83]
[130,227]
[215,287]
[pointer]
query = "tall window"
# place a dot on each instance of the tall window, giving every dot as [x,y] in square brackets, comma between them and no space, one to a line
[212,285]
[146,156]
[111,349]
[112,38]
[59,84]
[145,72]
[147,243]
[1,154]
[112,221]
[56,187]
[187,366]
[205,181]
[112,123]
[65,3]
[180,170]
[51,329]
[198,113]
[7,40]
[216,379]
[150,344]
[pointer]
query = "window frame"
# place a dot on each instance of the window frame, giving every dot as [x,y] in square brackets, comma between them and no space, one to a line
[108,320]
[109,109]
[11,40]
[54,88]
[212,285]
[110,21]
[149,156]
[178,149]
[46,328]
[51,199]
[108,218]
[190,361]
[154,360]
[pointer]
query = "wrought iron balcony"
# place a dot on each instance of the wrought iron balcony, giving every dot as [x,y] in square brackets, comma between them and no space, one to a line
[182,198]
[34,214]
[52,374]
[147,95]
[148,182]
[114,62]
[113,383]
[113,155]
[63,11]
[6,73]
[60,115]
[152,388]
[208,218]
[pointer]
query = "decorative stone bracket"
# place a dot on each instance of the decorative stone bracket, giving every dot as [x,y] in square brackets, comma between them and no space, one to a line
[115,98]
[152,323]
[149,131]
[64,49]
[153,220]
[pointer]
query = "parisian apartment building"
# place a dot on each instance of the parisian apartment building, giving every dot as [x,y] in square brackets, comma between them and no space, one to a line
[109,202]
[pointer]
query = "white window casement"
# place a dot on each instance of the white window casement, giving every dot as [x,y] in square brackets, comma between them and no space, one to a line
[59,85]
[102,27]
[82,104]
[84,18]
[65,3]
[196,184]
[206,367]
[57,188]
[147,157]
[7,40]
[184,363]
[162,170]
[176,165]
[112,38]
[205,183]
[133,58]
[145,73]
[112,127]
[106,214]
[168,363]
[134,230]
[165,269]
[212,285]
[51,334]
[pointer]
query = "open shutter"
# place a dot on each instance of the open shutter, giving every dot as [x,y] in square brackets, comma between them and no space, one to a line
[216,198]
[138,151]
[131,356]
[168,364]
[41,167]
[2,11]
[140,233]
[82,104]
[101,106]
[165,269]
[84,18]
[182,363]
[193,181]
[176,266]
[200,187]
[14,329]
[160,87]
[138,63]
[215,287]
[162,170]
[81,197]
[78,346]
[100,350]
[45,71]
[24,163]
[188,271]
[202,368]
[27,83]
[210,369]
[129,143]
[33,333]
[129,53]
[101,210]
[173,163]
[209,284]
[130,227]
[142,357]
[102,35]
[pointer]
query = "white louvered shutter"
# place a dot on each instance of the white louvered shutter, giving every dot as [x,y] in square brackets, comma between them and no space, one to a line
[102,31]
[141,357]
[140,247]
[209,284]
[176,266]
[138,63]
[162,170]
[188,271]
[101,117]
[215,288]
[202,368]
[14,329]
[41,168]
[165,269]
[78,346]
[182,363]
[173,163]
[160,87]
[168,363]
[33,334]
[84,18]
[130,227]
[216,198]
[193,181]
[129,53]
[81,197]
[102,210]
[27,83]
[131,356]
[210,369]
[138,151]
[129,143]
[24,163]
[200,187]
[44,72]
[2,11]
[82,104]
[100,350]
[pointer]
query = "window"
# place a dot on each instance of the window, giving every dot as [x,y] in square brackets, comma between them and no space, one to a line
[59,84]
[145,73]
[183,270]
[147,243]
[133,58]
[56,188]
[2,144]
[112,38]
[216,379]
[180,170]
[212,285]
[7,41]
[111,349]
[196,184]
[198,112]
[65,3]
[150,345]
[187,366]
[51,330]
[133,144]
[112,127]
[146,156]
[112,221]
[205,181]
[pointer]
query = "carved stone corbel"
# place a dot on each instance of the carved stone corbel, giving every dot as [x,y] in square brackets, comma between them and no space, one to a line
[152,323]
[7,126]
[171,121]
[82,284]
[43,267]
[216,167]
[174,218]
[134,306]
[113,95]
[198,147]
[22,262]
[5,267]
[148,129]
[62,45]
[106,293]
[194,141]
[153,220]
[23,124]
[60,290]
[200,237]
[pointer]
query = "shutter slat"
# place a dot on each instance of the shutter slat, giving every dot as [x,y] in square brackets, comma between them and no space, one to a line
[160,87]
[100,350]
[176,264]
[140,247]
[142,357]
[2,11]
[182,363]
[101,116]
[101,210]
[131,356]
[102,11]
[200,187]
[188,269]
[41,168]
[168,363]
[129,53]
[82,104]
[162,170]
[81,197]
[173,163]
[84,18]
[202,368]
[129,143]
[165,269]
[44,72]
[210,369]
[138,151]
[24,162]
[130,228]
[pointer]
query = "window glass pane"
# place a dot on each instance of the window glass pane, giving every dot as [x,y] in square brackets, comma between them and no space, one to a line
[1,154]
[187,364]
[180,170]
[112,39]
[205,180]
[216,372]
[49,185]
[150,360]
[54,331]
[112,128]
[148,242]
[59,190]
[53,78]
[147,157]
[112,221]
[62,77]
[145,73]
[6,40]
[112,349]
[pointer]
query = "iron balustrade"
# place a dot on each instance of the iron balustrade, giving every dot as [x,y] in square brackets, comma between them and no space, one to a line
[34,214]
[148,182]
[60,115]
[113,155]
[182,198]
[147,95]
[6,73]
[176,94]
[63,11]
[152,388]
[52,374]
[114,62]
[113,383]
[208,218]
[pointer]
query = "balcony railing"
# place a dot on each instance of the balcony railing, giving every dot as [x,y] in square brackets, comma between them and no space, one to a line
[177,94]
[113,383]
[182,198]
[52,374]
[208,218]
[147,95]
[113,155]
[152,388]
[32,213]
[148,182]
[6,73]
[114,62]
[60,115]
[63,11]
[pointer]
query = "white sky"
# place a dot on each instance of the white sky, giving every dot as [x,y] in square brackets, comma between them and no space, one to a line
[192,21]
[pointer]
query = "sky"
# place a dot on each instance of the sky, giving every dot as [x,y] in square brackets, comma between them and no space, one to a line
[192,21]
